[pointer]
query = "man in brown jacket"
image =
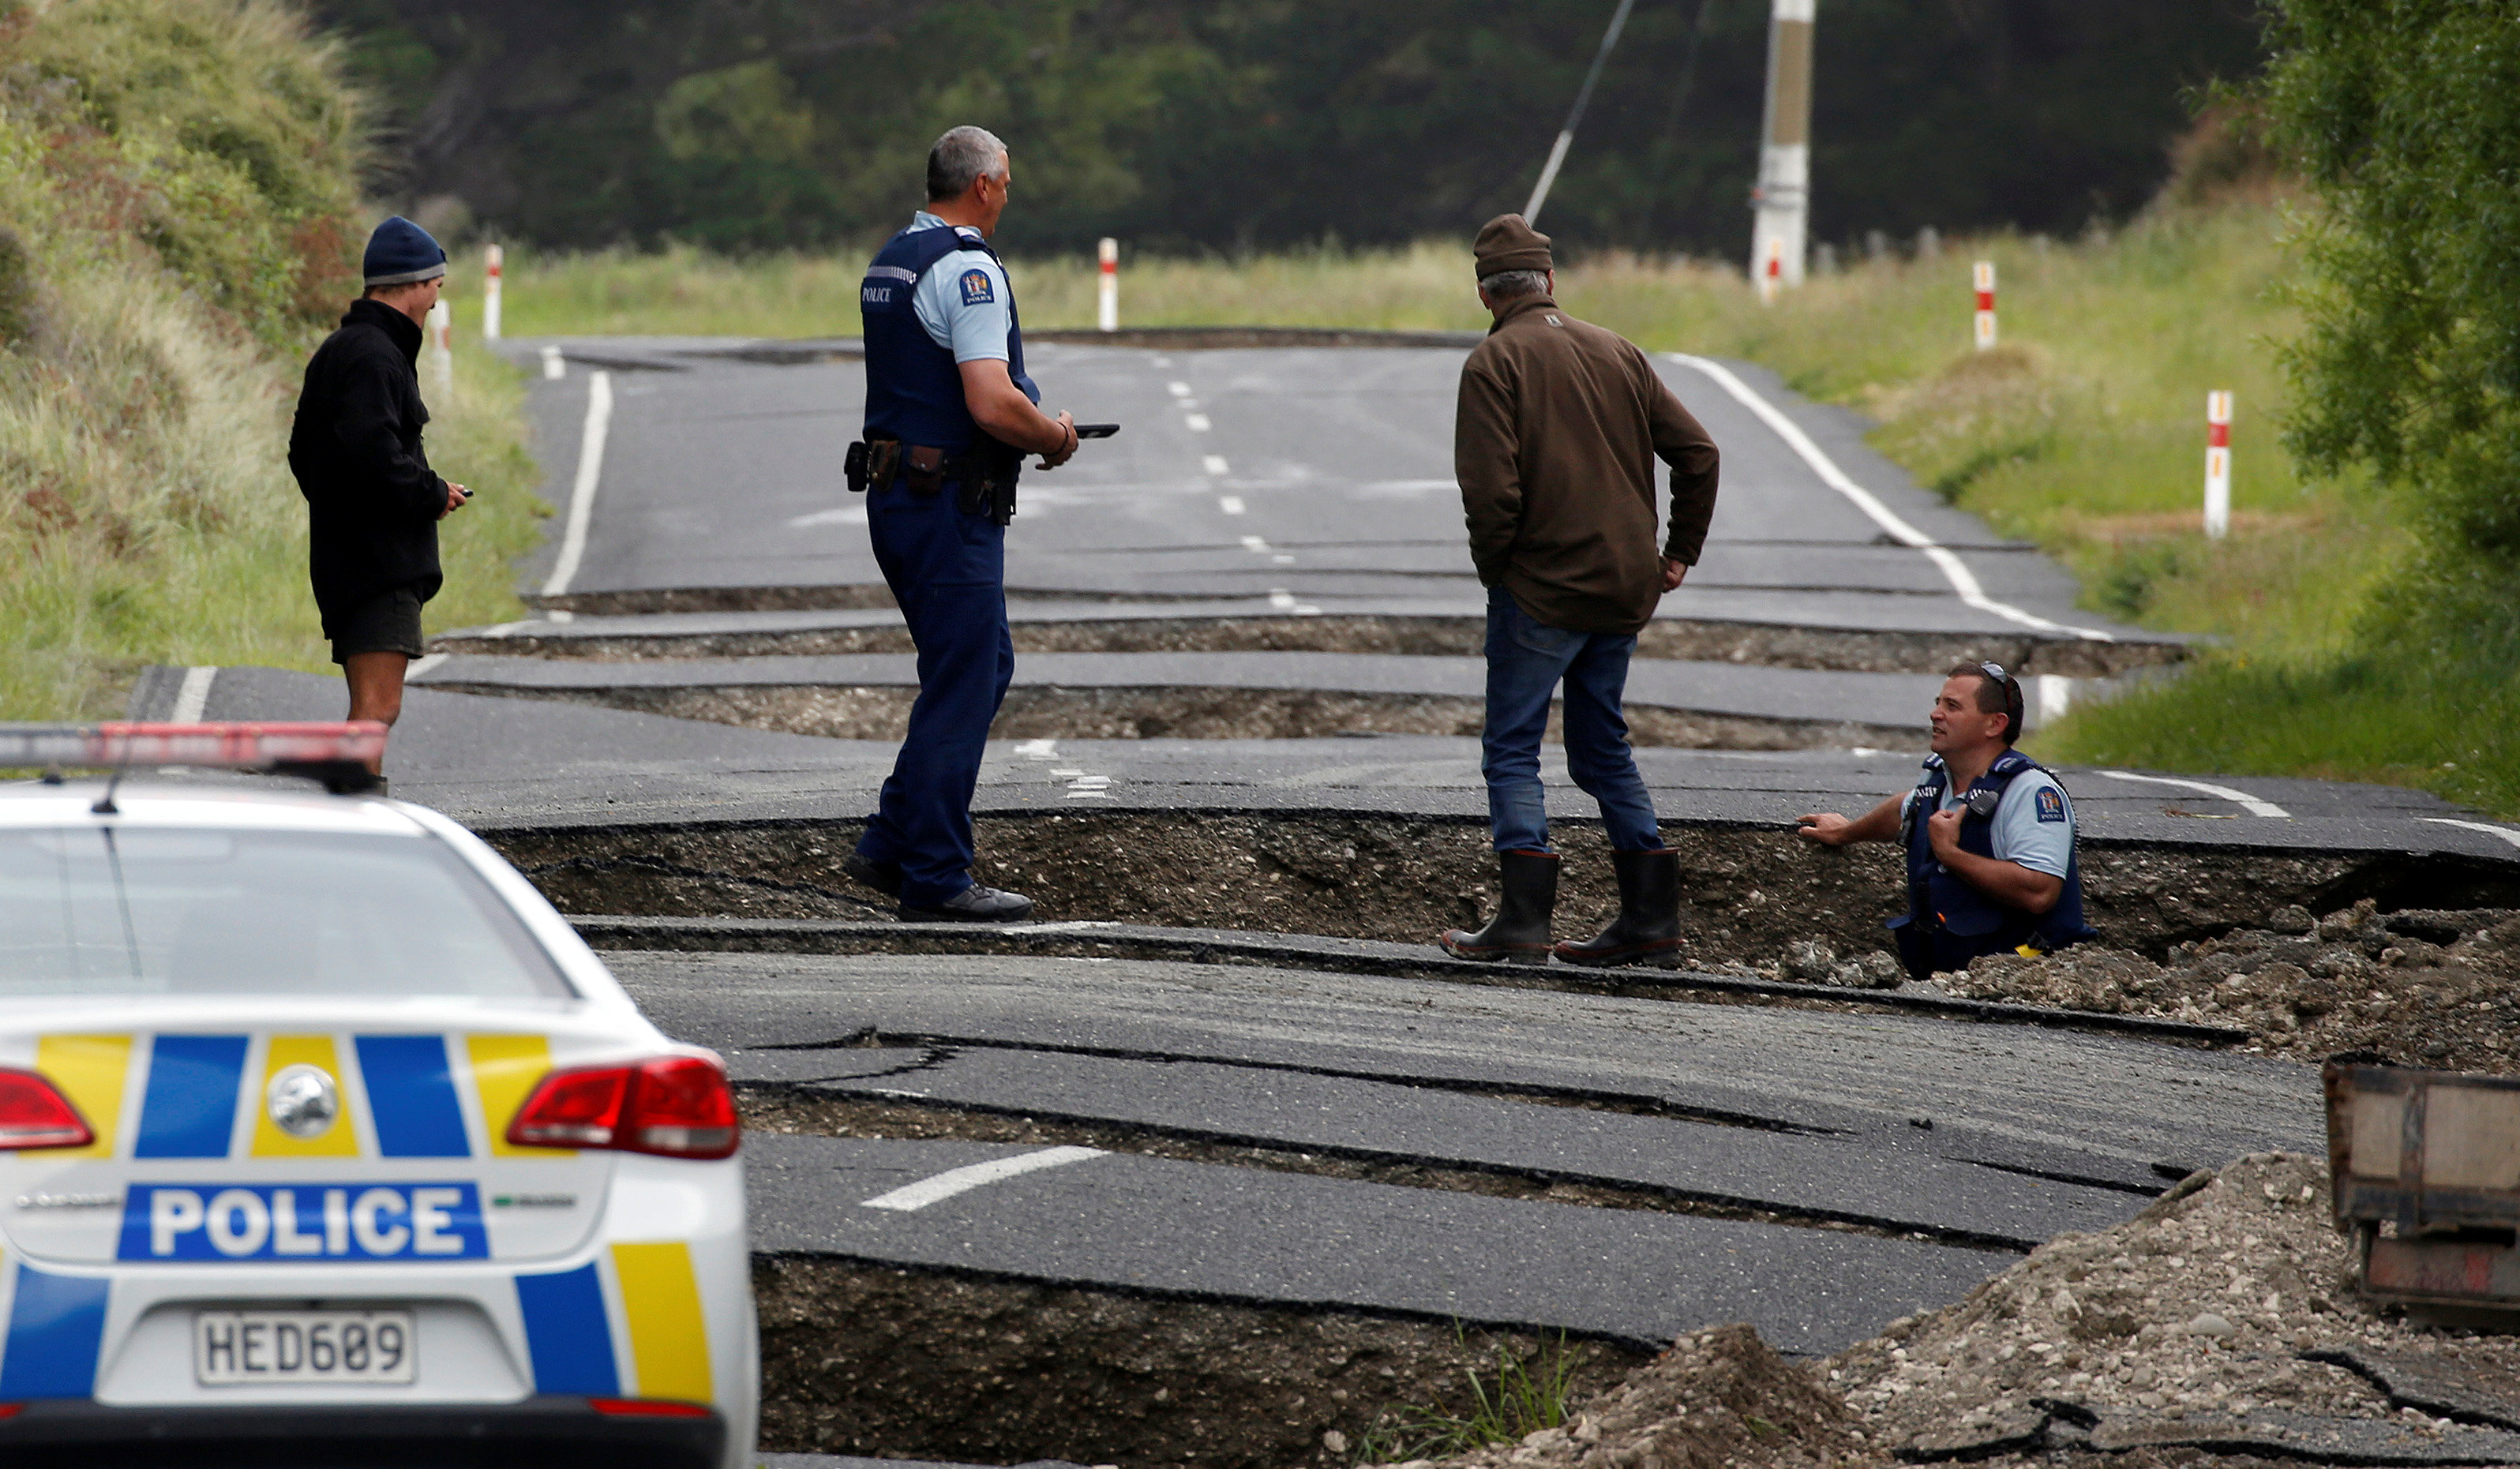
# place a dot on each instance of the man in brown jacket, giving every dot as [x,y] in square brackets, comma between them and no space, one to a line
[1557,432]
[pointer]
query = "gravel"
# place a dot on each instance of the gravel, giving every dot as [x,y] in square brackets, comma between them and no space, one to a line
[2201,1306]
[2431,988]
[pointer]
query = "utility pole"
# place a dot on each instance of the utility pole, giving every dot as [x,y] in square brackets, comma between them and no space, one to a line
[1782,200]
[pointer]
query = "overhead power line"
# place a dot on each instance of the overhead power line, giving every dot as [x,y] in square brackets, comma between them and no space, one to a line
[1566,135]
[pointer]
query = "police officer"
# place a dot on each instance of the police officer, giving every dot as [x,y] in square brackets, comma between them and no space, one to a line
[949,416]
[1989,836]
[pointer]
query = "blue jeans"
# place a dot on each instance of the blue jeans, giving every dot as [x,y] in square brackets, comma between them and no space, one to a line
[1526,660]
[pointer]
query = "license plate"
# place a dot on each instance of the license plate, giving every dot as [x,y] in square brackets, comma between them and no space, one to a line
[231,1346]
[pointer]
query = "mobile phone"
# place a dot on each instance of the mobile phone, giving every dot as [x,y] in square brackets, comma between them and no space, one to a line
[1096,431]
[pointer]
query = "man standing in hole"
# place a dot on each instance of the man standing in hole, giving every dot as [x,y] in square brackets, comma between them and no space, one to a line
[1989,836]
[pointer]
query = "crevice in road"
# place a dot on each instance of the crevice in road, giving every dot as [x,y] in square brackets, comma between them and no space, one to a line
[881,1361]
[880,712]
[801,1109]
[1750,892]
[1772,645]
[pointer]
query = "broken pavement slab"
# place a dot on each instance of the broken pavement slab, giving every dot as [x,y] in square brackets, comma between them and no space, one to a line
[2276,1434]
[2436,1382]
[2041,1427]
[1117,1222]
[1308,951]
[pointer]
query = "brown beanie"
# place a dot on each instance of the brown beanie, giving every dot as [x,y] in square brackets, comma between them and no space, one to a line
[1505,243]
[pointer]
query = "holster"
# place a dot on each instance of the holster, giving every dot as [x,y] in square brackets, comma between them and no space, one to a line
[853,467]
[991,471]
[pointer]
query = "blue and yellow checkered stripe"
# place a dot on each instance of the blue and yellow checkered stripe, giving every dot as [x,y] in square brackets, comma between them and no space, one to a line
[188,1096]
[629,1323]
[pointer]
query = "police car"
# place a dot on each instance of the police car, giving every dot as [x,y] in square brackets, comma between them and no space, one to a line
[322,1133]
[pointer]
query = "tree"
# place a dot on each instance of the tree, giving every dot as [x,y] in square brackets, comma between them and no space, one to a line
[2405,114]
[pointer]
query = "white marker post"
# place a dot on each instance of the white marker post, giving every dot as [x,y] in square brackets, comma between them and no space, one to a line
[1772,276]
[441,347]
[1782,200]
[493,259]
[1985,280]
[1108,315]
[2218,463]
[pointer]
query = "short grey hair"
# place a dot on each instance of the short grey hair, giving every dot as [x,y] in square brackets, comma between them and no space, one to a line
[1507,284]
[963,155]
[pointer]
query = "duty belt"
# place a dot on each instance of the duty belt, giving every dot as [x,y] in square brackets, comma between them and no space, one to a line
[987,474]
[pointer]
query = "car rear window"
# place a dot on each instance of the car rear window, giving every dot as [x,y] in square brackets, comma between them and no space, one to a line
[107,910]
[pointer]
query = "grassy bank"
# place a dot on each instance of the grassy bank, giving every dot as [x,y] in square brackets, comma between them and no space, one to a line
[2082,431]
[178,221]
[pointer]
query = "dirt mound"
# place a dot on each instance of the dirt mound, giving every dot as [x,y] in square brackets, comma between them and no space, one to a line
[1717,1398]
[2438,989]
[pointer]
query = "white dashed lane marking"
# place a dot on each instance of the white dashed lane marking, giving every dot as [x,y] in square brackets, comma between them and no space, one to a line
[1214,464]
[2241,798]
[1231,504]
[1178,389]
[954,1181]
[1197,422]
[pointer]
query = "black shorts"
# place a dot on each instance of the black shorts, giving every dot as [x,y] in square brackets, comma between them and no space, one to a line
[387,623]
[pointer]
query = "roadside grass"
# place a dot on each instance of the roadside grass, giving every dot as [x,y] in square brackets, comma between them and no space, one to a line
[2082,431]
[177,228]
[1523,1395]
[177,535]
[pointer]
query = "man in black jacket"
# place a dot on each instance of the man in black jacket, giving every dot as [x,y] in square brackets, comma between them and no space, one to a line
[372,500]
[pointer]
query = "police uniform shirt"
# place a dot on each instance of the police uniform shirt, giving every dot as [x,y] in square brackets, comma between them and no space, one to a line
[962,301]
[2033,825]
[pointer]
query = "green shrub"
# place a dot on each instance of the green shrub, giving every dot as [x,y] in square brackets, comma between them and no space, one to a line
[176,187]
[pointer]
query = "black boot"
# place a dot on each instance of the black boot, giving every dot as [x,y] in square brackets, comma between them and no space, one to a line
[1520,932]
[1647,930]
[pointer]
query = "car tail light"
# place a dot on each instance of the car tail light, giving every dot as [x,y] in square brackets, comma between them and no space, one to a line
[33,1113]
[646,1407]
[677,1106]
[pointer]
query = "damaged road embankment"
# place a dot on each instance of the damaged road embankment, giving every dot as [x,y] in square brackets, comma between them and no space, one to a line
[2438,987]
[1750,892]
[2222,1321]
[866,1359]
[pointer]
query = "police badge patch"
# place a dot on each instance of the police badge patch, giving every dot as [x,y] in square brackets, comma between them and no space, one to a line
[977,289]
[2051,805]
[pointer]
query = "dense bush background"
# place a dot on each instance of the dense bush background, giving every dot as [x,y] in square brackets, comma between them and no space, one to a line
[1234,124]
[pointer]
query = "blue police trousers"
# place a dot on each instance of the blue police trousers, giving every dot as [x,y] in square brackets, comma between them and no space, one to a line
[947,569]
[1526,660]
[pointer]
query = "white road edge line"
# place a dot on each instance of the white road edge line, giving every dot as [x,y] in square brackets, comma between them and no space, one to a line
[192,696]
[1956,571]
[590,473]
[423,664]
[2254,806]
[963,1179]
[2504,832]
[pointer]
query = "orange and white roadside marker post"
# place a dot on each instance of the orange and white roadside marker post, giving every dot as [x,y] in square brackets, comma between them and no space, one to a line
[2218,463]
[1108,313]
[1984,279]
[1772,276]
[494,261]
